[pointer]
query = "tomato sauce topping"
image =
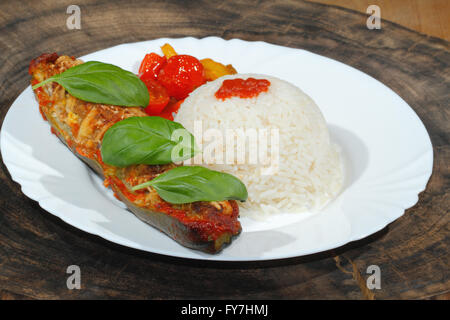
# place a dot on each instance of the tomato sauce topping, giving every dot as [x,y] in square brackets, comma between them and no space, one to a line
[241,88]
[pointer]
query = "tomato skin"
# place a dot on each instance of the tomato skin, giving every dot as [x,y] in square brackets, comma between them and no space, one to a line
[158,97]
[171,109]
[151,65]
[181,75]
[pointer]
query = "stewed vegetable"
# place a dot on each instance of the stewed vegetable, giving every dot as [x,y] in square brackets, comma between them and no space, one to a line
[172,77]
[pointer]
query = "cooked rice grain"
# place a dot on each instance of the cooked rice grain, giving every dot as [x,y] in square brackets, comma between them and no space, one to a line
[310,171]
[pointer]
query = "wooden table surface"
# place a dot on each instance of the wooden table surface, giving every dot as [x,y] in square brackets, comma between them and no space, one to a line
[412,252]
[430,17]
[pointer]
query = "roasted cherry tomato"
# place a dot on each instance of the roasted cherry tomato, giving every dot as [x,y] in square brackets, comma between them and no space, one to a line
[151,65]
[171,109]
[181,75]
[158,97]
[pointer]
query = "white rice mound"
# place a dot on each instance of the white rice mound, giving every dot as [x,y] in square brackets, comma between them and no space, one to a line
[310,171]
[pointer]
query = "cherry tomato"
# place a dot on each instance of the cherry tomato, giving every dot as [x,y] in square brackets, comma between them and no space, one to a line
[171,109]
[151,65]
[181,75]
[158,97]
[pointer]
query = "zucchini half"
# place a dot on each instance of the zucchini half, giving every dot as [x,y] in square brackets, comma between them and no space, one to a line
[174,228]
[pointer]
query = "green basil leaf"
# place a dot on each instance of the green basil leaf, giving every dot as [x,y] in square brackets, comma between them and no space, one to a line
[194,183]
[146,140]
[104,83]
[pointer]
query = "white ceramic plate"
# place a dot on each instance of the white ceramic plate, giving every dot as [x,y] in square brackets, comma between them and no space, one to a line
[387,150]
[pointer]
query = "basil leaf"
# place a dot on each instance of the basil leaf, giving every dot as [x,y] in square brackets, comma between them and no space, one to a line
[146,140]
[194,183]
[100,82]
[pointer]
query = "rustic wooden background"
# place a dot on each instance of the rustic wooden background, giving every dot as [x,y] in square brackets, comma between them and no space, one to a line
[430,17]
[412,252]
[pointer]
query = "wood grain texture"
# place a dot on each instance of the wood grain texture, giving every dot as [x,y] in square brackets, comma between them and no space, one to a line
[430,17]
[412,252]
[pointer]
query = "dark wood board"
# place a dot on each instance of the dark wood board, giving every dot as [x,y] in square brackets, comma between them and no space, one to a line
[412,252]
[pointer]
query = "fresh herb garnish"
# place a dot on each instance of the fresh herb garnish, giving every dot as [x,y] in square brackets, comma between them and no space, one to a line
[193,183]
[99,82]
[146,140]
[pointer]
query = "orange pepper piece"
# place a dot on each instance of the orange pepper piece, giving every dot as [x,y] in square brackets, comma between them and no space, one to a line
[214,70]
[168,50]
